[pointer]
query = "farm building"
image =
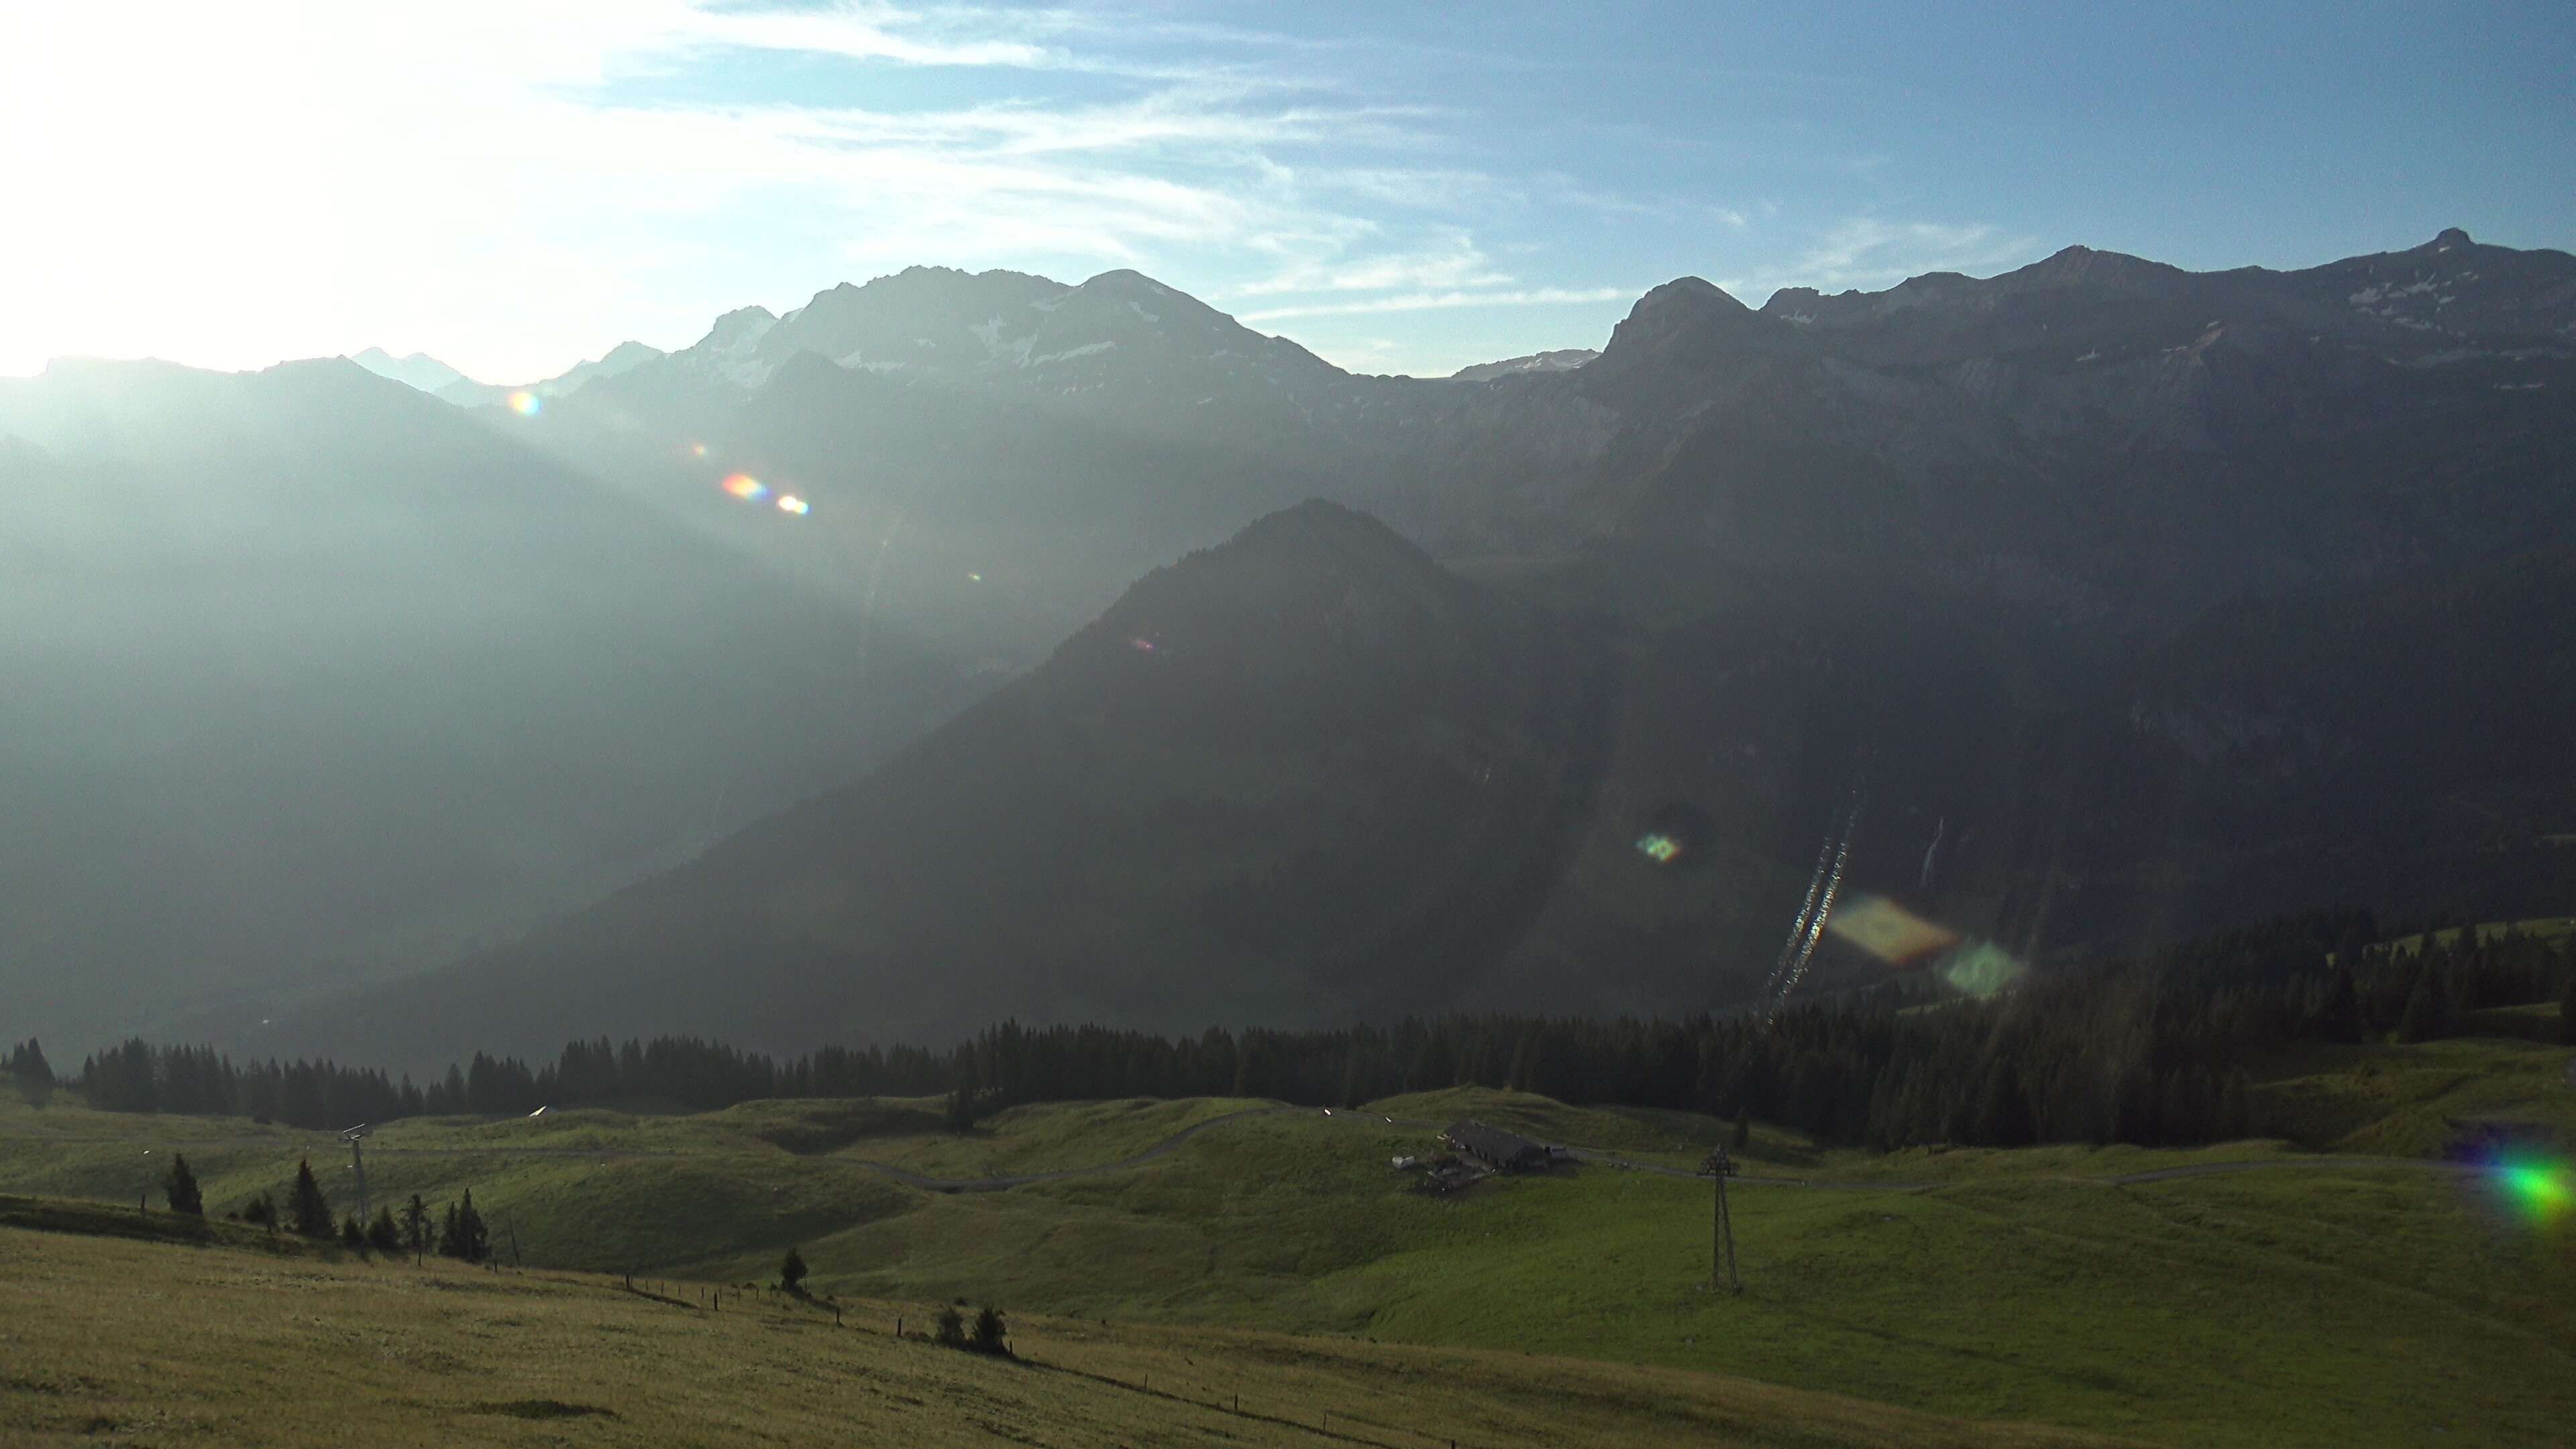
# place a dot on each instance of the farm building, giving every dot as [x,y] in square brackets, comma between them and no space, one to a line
[1503,1151]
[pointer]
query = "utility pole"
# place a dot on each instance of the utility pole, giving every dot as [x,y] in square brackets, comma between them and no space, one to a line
[1721,1228]
[358,1164]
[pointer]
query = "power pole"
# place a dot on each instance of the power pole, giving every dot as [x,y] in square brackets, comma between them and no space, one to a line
[358,1164]
[1721,1228]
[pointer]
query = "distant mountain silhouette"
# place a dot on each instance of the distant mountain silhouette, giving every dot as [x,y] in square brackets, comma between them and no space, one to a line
[2153,594]
[1564,359]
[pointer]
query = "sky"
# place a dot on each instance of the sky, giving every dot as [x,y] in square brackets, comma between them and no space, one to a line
[1401,187]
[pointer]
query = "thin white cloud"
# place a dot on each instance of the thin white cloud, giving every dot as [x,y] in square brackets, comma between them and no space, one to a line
[1868,251]
[1431,301]
[1456,263]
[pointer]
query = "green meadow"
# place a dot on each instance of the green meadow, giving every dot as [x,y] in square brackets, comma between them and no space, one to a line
[2264,1295]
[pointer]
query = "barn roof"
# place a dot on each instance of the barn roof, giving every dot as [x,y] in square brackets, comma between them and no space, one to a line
[1492,1143]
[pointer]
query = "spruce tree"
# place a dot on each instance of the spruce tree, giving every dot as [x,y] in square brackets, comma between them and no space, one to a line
[473,1240]
[353,1236]
[384,1235]
[952,1327]
[2339,1017]
[35,1076]
[2432,1012]
[261,1209]
[415,1224]
[791,1272]
[451,1243]
[180,1186]
[308,1211]
[990,1331]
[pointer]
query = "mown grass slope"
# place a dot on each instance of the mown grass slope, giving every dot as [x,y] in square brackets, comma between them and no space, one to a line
[107,1339]
[2286,1304]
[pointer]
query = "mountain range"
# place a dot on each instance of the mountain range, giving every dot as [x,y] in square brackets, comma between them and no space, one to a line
[2113,600]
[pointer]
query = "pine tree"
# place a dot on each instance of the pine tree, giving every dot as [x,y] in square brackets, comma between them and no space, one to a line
[308,1211]
[261,1209]
[384,1235]
[473,1240]
[990,1332]
[962,1090]
[791,1272]
[2339,1018]
[35,1076]
[180,1186]
[415,1223]
[451,1242]
[952,1327]
[353,1236]
[2432,1012]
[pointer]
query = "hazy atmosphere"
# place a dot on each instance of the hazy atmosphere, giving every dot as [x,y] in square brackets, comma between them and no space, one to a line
[1639,724]
[512,188]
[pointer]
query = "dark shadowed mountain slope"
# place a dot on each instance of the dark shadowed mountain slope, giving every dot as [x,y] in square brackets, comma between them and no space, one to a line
[1304,776]
[1308,776]
[310,675]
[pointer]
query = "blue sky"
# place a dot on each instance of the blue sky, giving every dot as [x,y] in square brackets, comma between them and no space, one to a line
[1400,187]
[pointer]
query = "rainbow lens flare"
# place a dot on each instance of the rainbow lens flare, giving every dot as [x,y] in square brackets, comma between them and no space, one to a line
[1980,969]
[1889,932]
[745,487]
[697,450]
[526,404]
[1658,847]
[2543,1191]
[790,503]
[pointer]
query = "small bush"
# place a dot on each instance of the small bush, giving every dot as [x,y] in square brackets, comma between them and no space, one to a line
[990,1332]
[384,1235]
[952,1327]
[791,1272]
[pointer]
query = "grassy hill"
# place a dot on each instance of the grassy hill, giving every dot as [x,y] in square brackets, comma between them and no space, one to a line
[229,1344]
[2258,1298]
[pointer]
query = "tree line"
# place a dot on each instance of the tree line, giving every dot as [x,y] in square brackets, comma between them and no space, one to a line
[461,1232]
[2157,1050]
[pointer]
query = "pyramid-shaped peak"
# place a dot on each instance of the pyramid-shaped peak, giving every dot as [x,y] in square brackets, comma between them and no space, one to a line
[1128,279]
[2451,236]
[1692,292]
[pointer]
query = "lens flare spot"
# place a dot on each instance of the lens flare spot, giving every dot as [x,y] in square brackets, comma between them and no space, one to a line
[1981,968]
[974,578]
[790,503]
[745,487]
[1141,644]
[697,450]
[1671,836]
[2543,1191]
[526,404]
[1888,931]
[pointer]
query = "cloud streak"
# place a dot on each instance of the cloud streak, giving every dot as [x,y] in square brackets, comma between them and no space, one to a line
[1436,301]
